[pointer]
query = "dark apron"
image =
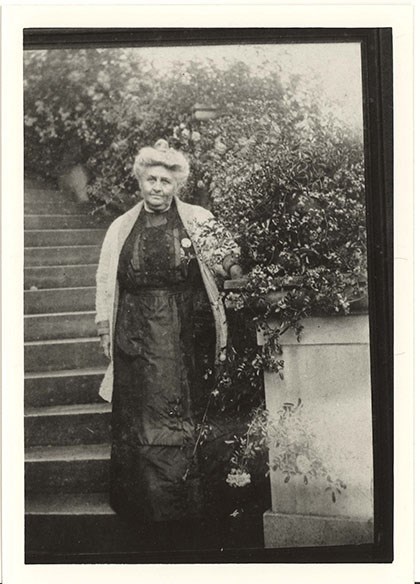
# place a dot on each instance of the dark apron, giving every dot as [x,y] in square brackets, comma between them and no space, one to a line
[153,471]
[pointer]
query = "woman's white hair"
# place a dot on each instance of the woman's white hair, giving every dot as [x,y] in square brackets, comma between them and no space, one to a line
[162,155]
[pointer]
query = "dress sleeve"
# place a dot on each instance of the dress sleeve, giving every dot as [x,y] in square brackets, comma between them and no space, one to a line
[103,327]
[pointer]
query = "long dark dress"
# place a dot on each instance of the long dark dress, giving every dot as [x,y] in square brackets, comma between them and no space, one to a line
[153,471]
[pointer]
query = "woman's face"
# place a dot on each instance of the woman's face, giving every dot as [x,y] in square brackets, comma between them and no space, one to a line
[157,187]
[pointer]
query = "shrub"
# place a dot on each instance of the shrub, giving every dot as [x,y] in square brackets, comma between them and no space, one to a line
[286,178]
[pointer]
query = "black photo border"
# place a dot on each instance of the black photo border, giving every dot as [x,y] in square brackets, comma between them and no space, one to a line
[377,72]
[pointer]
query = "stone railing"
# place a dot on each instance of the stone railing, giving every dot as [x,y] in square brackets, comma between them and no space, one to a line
[328,371]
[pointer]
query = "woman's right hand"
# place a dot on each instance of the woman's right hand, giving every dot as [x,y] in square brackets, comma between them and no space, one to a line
[105,342]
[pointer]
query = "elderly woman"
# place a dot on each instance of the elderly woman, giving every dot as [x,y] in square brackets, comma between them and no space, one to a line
[152,260]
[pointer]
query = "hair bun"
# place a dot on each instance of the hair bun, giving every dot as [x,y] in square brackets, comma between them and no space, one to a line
[161,154]
[161,145]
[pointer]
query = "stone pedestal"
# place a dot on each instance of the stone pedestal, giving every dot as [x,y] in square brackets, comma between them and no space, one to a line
[75,181]
[329,370]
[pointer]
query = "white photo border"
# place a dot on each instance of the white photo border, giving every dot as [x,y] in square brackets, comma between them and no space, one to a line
[15,19]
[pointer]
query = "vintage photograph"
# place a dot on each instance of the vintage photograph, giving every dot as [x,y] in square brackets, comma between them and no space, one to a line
[198,321]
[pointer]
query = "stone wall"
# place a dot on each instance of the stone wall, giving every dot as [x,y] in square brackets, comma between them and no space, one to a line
[329,370]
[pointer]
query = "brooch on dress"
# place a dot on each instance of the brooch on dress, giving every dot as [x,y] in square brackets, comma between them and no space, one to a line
[185,242]
[185,250]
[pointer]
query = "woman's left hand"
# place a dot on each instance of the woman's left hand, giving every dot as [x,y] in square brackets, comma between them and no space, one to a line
[105,342]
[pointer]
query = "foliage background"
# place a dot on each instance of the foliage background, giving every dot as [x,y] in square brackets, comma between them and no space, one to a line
[277,166]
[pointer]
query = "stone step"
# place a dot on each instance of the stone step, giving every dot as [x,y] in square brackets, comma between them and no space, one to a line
[68,425]
[59,300]
[65,469]
[69,504]
[59,256]
[60,221]
[82,528]
[60,276]
[65,325]
[63,237]
[34,182]
[60,206]
[43,196]
[43,193]
[71,523]
[56,355]
[68,387]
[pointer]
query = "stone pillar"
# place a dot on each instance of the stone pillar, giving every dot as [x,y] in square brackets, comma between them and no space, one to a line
[75,181]
[329,370]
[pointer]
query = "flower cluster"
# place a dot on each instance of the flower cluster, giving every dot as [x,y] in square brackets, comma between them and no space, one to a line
[296,452]
[238,478]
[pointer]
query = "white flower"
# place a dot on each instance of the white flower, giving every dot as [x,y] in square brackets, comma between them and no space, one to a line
[219,146]
[75,76]
[29,121]
[303,464]
[133,85]
[238,478]
[196,136]
[104,79]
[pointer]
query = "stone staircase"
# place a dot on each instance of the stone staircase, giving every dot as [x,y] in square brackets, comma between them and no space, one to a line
[67,440]
[67,435]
